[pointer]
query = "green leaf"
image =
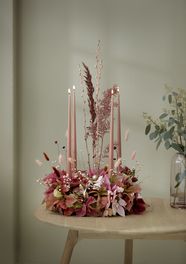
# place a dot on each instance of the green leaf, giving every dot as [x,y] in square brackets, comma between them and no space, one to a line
[167,135]
[147,129]
[153,135]
[179,177]
[177,147]
[158,144]
[172,129]
[170,98]
[167,144]
[181,119]
[173,112]
[179,104]
[163,115]
[164,97]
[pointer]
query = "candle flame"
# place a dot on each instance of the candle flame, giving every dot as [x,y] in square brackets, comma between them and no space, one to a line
[69,91]
[112,91]
[118,89]
[73,87]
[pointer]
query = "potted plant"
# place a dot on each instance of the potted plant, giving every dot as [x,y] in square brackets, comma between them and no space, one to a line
[170,129]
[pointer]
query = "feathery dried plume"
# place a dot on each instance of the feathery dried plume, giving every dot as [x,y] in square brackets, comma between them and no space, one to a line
[90,92]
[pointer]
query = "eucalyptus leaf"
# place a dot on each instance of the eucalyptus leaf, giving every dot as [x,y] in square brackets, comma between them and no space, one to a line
[177,147]
[170,98]
[153,135]
[167,135]
[181,119]
[163,115]
[177,185]
[158,144]
[147,129]
[179,104]
[167,144]
[171,131]
[180,176]
[164,97]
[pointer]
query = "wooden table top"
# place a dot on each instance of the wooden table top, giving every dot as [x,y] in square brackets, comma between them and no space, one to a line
[160,221]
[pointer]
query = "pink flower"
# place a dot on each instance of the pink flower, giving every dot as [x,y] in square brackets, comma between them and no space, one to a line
[81,211]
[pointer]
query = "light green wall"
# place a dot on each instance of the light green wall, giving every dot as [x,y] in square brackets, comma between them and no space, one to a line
[7,217]
[143,47]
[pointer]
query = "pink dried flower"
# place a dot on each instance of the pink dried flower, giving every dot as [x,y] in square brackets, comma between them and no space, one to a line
[133,155]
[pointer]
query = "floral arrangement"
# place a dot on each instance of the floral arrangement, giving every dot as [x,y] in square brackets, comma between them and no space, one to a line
[101,189]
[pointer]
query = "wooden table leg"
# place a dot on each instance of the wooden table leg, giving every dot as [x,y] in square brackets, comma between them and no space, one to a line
[128,251]
[71,241]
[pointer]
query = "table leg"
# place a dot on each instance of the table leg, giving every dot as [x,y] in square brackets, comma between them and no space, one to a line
[71,241]
[128,251]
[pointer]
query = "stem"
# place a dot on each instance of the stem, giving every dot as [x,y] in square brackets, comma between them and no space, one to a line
[88,153]
[185,193]
[178,120]
[100,155]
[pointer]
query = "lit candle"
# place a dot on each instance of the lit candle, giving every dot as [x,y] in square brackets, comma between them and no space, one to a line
[111,145]
[74,146]
[119,127]
[69,134]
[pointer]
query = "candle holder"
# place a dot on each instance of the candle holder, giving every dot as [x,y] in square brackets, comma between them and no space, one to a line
[99,189]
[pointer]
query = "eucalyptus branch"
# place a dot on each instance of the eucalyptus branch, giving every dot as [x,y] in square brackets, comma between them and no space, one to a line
[177,113]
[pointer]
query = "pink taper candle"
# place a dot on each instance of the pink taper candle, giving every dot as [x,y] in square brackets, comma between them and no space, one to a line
[119,128]
[111,145]
[74,152]
[69,135]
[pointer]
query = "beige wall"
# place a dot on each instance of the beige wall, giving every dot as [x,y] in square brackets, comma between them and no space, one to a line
[7,216]
[143,47]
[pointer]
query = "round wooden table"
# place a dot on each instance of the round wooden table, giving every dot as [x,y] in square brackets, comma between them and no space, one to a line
[160,221]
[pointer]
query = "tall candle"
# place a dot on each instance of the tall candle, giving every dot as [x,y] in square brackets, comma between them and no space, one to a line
[111,145]
[74,152]
[69,134]
[119,127]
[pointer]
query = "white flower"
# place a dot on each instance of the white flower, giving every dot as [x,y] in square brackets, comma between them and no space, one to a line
[99,182]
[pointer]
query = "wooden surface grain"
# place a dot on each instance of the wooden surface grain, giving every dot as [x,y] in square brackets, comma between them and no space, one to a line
[160,221]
